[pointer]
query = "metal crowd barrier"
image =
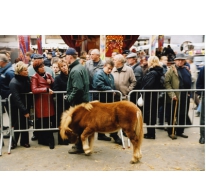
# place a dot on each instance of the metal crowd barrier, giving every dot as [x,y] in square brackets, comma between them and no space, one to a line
[96,95]
[54,126]
[1,123]
[164,102]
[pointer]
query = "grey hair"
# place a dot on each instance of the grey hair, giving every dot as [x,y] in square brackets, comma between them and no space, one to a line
[95,51]
[4,58]
[20,67]
[119,57]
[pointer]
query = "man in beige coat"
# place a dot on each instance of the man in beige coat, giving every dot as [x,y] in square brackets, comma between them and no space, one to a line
[124,78]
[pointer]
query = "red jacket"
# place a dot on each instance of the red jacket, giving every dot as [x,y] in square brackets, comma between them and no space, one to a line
[44,104]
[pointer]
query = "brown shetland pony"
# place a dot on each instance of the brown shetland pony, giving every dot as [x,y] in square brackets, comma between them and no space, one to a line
[88,118]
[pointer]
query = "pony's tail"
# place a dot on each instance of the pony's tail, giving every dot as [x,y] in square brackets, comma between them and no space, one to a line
[66,119]
[139,126]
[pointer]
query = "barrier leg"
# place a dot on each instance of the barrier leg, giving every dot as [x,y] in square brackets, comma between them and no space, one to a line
[10,140]
[1,143]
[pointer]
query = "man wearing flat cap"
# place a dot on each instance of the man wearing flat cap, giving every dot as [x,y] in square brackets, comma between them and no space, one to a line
[135,65]
[178,76]
[77,88]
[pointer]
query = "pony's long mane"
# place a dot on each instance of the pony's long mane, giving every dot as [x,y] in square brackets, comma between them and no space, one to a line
[66,118]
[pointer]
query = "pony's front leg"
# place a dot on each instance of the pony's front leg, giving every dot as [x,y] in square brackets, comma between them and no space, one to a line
[84,137]
[91,142]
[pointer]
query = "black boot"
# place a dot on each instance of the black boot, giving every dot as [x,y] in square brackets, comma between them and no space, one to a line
[116,138]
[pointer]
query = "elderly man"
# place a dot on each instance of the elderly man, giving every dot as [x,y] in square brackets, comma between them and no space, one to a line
[124,77]
[135,65]
[178,77]
[92,66]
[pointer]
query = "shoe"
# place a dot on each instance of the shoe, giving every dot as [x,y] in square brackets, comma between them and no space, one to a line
[172,136]
[202,140]
[26,145]
[147,136]
[117,140]
[104,138]
[51,145]
[34,138]
[182,135]
[75,150]
[13,145]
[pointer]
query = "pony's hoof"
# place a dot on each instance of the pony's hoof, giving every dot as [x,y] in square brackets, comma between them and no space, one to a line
[134,162]
[88,154]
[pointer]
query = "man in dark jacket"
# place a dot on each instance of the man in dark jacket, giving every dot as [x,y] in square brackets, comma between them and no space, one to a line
[103,80]
[201,85]
[135,65]
[6,74]
[77,88]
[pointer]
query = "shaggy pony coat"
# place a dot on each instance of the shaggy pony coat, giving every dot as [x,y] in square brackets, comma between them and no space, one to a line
[88,118]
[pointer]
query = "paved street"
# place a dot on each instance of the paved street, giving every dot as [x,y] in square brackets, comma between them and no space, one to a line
[161,154]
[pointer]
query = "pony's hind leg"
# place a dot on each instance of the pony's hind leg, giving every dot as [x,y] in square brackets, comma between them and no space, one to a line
[136,147]
[84,137]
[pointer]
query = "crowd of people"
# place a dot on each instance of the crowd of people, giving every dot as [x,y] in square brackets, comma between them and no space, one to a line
[78,74]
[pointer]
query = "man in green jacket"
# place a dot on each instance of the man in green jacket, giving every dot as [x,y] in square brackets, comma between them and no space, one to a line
[77,88]
[177,77]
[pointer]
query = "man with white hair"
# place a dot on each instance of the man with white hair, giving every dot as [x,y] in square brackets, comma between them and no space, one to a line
[124,77]
[92,66]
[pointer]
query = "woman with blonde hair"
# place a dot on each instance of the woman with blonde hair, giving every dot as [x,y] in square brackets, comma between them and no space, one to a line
[20,103]
[151,81]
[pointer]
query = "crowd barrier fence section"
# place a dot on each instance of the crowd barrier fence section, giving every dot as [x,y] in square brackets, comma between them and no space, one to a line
[162,103]
[58,96]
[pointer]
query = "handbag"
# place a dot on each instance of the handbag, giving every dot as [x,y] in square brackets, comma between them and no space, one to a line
[140,101]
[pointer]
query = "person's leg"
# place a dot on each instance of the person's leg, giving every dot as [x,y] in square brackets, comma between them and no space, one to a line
[102,136]
[116,138]
[24,135]
[182,114]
